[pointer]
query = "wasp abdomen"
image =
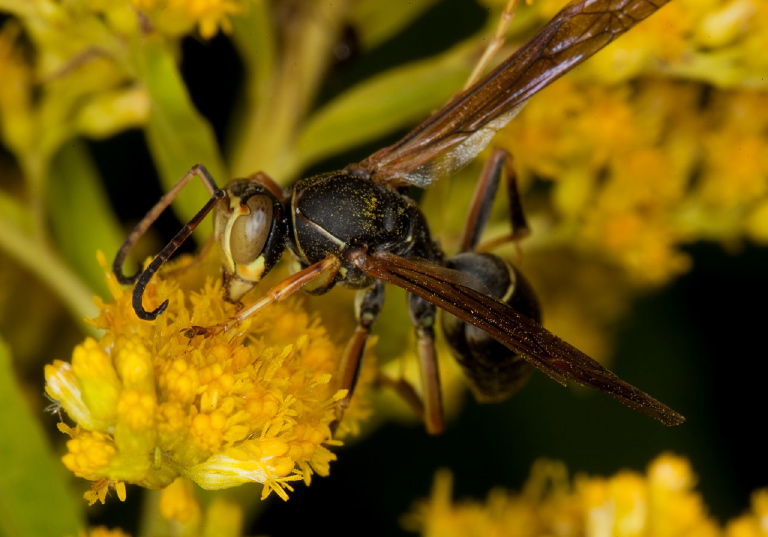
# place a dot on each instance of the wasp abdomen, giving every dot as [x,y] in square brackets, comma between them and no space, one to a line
[494,372]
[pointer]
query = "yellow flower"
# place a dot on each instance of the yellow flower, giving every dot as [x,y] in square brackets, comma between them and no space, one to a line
[15,93]
[102,531]
[184,515]
[178,503]
[176,17]
[253,404]
[660,503]
[639,173]
[754,523]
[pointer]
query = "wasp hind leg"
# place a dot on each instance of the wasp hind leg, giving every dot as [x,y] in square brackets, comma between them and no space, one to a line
[492,370]
[500,164]
[423,314]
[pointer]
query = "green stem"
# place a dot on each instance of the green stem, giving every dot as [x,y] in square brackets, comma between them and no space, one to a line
[51,270]
[266,137]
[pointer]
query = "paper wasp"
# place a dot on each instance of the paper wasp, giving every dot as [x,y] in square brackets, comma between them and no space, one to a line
[358,228]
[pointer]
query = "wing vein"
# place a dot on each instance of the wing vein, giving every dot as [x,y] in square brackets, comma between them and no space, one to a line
[447,289]
[577,32]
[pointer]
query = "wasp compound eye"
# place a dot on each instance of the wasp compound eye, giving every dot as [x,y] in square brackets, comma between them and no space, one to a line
[251,231]
[254,237]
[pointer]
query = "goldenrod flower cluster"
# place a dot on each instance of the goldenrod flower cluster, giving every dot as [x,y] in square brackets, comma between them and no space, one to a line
[660,503]
[659,141]
[252,404]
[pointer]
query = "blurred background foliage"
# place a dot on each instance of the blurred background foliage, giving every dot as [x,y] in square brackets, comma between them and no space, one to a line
[104,105]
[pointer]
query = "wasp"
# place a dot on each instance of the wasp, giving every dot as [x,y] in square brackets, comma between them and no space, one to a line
[357,227]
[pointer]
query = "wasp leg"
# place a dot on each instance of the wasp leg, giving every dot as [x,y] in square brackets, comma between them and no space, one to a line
[424,315]
[368,304]
[428,407]
[517,220]
[496,42]
[482,202]
[162,204]
[406,392]
[327,268]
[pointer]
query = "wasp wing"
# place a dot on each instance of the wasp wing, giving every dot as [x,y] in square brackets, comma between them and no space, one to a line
[462,128]
[448,290]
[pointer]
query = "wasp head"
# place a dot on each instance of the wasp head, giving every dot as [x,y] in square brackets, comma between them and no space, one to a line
[250,227]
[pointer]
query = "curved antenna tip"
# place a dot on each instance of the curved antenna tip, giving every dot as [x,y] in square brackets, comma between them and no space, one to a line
[126,280]
[152,315]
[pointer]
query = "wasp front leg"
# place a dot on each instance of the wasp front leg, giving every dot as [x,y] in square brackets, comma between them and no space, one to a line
[323,271]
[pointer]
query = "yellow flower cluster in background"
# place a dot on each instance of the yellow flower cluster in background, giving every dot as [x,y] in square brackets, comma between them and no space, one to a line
[253,404]
[659,141]
[660,503]
[184,515]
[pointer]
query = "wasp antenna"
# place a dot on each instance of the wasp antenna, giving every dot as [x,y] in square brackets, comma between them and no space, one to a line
[165,254]
[117,265]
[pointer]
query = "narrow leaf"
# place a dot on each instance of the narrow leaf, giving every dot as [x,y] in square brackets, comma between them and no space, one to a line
[82,220]
[34,496]
[376,21]
[394,100]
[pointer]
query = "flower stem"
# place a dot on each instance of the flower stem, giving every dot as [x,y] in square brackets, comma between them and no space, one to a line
[51,270]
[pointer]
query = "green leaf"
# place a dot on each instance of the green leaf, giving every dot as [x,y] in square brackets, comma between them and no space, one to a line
[280,87]
[254,35]
[46,264]
[34,497]
[376,20]
[177,135]
[82,220]
[390,101]
[14,213]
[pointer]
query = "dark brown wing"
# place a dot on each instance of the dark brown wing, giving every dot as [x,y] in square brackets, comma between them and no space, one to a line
[444,288]
[457,132]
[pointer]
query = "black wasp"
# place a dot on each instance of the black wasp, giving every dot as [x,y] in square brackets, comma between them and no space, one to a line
[356,227]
